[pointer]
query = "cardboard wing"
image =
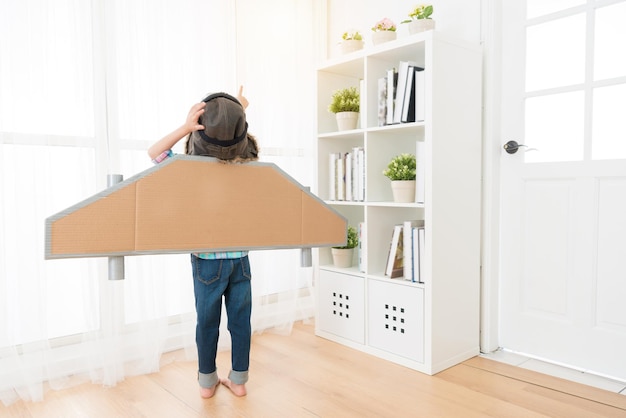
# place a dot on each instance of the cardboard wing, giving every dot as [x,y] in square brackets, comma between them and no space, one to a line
[195,204]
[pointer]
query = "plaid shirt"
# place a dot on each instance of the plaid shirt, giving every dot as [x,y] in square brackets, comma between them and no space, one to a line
[206,256]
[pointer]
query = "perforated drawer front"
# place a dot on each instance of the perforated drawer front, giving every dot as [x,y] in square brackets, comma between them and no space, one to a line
[396,319]
[341,305]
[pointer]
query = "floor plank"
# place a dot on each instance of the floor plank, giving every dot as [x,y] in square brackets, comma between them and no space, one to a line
[561,385]
[531,397]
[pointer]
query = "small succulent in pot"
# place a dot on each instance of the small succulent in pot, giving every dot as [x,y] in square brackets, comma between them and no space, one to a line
[345,100]
[422,11]
[352,35]
[401,167]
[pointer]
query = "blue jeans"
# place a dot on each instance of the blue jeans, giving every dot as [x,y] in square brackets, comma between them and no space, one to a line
[212,280]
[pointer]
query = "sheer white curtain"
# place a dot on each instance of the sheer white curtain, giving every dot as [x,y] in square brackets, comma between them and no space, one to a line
[85,87]
[276,65]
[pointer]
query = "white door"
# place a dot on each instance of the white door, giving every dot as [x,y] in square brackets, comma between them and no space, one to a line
[563,219]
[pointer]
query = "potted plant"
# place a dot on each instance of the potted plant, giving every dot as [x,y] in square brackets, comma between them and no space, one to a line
[351,41]
[401,171]
[384,31]
[345,104]
[342,256]
[420,19]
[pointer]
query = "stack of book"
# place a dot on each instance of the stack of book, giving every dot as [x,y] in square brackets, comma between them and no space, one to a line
[406,251]
[347,175]
[401,95]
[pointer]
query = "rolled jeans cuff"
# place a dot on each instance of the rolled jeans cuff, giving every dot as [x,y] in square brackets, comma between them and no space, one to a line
[238,378]
[208,380]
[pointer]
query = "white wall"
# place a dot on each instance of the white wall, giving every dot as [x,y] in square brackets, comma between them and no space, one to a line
[459,18]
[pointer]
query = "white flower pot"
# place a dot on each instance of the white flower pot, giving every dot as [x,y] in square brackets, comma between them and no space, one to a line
[383,36]
[403,191]
[342,257]
[350,46]
[347,120]
[421,25]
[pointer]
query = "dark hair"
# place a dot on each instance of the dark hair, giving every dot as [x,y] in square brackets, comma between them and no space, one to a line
[252,152]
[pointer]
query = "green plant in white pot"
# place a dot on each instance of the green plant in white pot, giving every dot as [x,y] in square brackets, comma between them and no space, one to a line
[343,256]
[351,41]
[420,18]
[401,171]
[346,104]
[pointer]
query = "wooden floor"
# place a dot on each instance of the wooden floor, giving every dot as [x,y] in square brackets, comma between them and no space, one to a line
[302,375]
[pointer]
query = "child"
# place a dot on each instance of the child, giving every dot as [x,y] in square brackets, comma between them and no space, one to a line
[217,127]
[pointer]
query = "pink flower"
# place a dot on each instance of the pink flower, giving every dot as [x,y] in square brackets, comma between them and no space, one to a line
[384,24]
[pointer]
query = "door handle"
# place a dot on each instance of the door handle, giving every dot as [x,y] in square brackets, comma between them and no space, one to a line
[511,147]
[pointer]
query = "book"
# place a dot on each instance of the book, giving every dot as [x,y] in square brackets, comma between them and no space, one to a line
[382,101]
[392,82]
[354,173]
[332,176]
[421,238]
[408,110]
[362,247]
[420,95]
[403,69]
[407,236]
[361,174]
[394,266]
[415,261]
[341,181]
[348,175]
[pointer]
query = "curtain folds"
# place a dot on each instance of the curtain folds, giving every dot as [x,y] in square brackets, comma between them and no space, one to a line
[85,87]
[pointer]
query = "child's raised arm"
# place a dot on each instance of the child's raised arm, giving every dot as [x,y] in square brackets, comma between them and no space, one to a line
[242,99]
[169,140]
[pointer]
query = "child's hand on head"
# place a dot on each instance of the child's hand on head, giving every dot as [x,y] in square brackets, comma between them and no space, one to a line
[244,102]
[192,118]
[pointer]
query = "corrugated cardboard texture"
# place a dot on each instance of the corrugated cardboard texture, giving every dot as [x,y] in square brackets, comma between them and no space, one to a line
[194,204]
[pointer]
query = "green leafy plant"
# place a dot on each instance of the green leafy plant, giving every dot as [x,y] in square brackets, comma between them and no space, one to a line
[352,239]
[422,11]
[401,167]
[385,24]
[352,35]
[345,100]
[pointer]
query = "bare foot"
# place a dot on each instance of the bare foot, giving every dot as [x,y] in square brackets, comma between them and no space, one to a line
[207,393]
[238,390]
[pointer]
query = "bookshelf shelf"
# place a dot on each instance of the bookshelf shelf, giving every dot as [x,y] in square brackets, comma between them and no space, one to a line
[394,205]
[386,279]
[432,325]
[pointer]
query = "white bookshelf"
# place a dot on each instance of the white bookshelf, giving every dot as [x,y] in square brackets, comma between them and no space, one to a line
[425,326]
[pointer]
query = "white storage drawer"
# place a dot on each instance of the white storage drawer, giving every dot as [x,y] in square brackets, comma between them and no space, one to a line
[341,305]
[396,319]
